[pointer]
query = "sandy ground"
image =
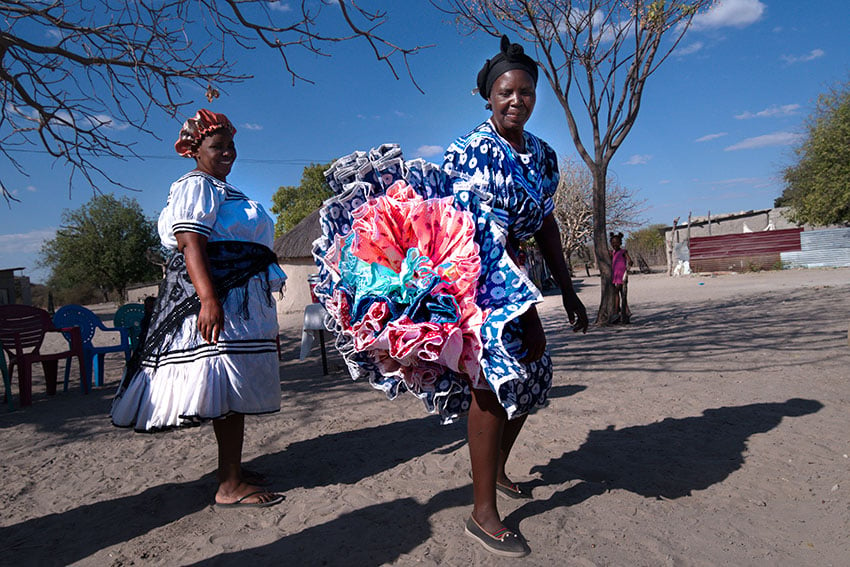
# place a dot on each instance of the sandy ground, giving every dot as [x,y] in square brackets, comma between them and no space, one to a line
[712,431]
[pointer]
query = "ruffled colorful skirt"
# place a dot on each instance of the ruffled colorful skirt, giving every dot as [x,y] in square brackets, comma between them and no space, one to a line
[419,289]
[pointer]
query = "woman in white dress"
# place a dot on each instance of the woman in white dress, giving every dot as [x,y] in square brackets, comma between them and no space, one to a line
[210,352]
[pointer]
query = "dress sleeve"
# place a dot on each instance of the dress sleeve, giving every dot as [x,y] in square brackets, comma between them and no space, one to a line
[476,159]
[193,206]
[550,176]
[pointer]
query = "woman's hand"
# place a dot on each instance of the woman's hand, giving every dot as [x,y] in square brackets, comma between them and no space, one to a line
[210,320]
[194,249]
[533,337]
[576,312]
[549,240]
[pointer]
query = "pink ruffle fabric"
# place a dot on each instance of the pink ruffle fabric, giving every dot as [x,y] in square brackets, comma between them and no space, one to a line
[410,253]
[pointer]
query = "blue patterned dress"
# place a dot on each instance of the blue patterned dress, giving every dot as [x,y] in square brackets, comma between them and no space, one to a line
[517,189]
[507,195]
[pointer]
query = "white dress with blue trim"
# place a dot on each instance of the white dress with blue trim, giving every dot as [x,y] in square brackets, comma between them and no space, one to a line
[194,380]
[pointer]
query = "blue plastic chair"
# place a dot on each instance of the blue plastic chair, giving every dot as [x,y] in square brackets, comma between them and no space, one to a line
[89,324]
[130,317]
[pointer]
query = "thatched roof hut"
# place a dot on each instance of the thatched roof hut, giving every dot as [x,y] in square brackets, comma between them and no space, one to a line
[298,241]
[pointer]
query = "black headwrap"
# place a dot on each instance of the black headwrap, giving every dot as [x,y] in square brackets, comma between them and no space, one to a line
[509,58]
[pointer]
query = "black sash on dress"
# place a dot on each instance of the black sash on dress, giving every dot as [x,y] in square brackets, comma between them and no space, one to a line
[233,264]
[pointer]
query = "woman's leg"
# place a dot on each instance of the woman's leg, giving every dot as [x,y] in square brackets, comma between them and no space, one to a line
[618,288]
[229,434]
[624,302]
[485,427]
[510,432]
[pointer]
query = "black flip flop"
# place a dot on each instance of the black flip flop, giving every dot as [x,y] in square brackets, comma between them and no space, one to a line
[242,504]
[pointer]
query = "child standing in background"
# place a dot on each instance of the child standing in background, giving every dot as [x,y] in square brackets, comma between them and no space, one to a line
[620,264]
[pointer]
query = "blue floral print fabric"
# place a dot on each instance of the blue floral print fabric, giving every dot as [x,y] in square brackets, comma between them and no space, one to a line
[507,195]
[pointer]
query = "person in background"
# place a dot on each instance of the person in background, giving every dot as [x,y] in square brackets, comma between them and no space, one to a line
[620,264]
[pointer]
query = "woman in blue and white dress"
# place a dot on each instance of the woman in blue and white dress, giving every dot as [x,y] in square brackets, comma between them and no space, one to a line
[210,351]
[517,175]
[419,276]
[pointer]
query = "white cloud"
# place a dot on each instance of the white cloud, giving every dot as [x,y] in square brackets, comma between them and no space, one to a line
[709,137]
[429,151]
[25,242]
[31,188]
[665,182]
[729,13]
[784,110]
[765,141]
[638,159]
[689,49]
[280,6]
[810,56]
[252,126]
[106,121]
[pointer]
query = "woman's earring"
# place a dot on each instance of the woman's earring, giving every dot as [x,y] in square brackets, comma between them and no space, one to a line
[488,106]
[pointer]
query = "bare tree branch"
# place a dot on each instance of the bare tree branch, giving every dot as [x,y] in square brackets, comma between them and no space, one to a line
[596,56]
[574,206]
[75,73]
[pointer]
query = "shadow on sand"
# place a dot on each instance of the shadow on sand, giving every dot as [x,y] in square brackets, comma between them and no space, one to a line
[668,459]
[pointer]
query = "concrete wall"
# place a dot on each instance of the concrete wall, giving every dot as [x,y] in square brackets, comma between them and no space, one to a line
[755,222]
[297,295]
[14,289]
[7,287]
[139,293]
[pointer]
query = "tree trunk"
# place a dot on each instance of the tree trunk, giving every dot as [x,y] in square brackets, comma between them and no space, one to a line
[600,245]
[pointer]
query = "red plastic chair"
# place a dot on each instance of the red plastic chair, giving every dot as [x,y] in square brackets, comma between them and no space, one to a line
[22,331]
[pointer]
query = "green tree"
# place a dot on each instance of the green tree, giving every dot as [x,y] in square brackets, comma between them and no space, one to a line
[291,204]
[102,244]
[818,185]
[647,243]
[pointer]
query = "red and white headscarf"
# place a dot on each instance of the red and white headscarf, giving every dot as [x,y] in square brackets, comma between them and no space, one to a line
[204,123]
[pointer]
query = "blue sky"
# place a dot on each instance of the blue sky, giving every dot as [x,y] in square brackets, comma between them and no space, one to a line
[717,125]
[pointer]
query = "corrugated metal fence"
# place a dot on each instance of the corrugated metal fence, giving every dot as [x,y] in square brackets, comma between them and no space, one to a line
[828,248]
[743,252]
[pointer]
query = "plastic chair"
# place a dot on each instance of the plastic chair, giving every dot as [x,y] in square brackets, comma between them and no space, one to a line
[22,332]
[314,324]
[130,317]
[89,324]
[7,381]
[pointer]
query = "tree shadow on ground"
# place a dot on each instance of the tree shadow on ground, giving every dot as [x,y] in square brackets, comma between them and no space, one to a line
[669,459]
[66,537]
[340,458]
[350,456]
[724,332]
[371,536]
